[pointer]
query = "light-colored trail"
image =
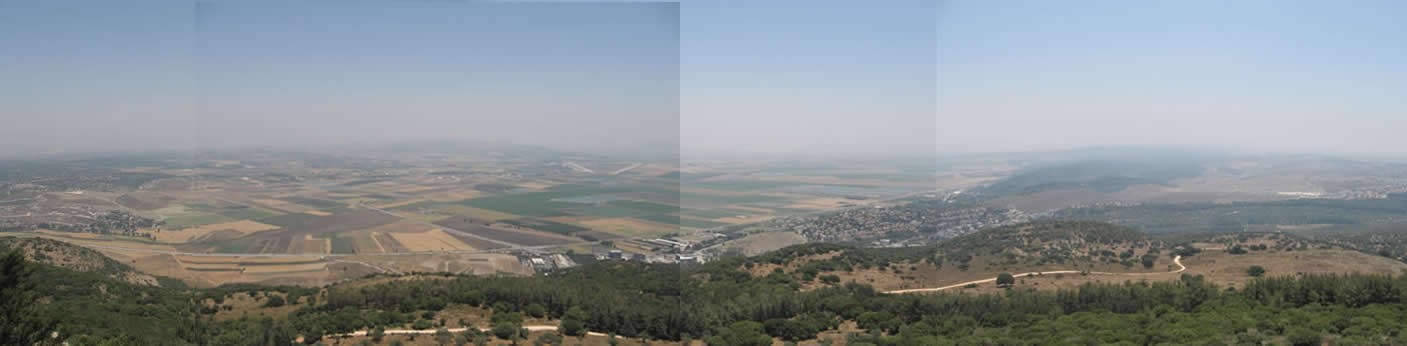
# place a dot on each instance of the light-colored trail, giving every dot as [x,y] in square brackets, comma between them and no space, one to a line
[534,328]
[1176,260]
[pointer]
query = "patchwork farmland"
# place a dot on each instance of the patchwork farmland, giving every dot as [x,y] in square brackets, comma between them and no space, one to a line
[211,220]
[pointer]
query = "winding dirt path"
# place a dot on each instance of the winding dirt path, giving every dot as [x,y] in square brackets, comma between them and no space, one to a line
[1176,260]
[532,328]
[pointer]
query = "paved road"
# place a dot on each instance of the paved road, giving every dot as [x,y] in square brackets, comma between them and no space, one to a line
[1176,260]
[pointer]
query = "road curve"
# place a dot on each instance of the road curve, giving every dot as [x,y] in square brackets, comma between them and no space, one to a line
[1176,260]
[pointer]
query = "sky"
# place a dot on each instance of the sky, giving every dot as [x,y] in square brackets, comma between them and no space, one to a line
[779,77]
[170,74]
[1259,76]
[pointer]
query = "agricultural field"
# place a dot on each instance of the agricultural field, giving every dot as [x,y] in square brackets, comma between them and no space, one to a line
[334,206]
[520,236]
[431,240]
[219,231]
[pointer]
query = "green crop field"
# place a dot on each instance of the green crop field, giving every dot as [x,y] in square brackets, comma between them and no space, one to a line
[716,213]
[727,199]
[607,210]
[179,217]
[343,245]
[315,202]
[671,219]
[548,226]
[549,203]
[243,212]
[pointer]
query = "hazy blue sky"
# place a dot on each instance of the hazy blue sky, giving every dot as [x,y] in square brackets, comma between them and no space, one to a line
[809,76]
[707,76]
[1317,76]
[90,75]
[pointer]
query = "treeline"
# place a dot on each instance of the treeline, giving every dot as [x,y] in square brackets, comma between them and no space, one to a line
[723,304]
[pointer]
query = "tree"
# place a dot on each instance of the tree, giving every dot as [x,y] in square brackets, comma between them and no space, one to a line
[548,339]
[535,310]
[789,330]
[19,320]
[573,322]
[741,333]
[1005,280]
[1303,337]
[274,301]
[505,330]
[443,337]
[312,336]
[1255,271]
[378,333]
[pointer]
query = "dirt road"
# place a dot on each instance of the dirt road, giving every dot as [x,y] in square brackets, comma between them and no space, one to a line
[1176,260]
[536,328]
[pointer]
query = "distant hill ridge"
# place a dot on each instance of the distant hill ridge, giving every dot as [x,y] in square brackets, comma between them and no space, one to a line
[1100,175]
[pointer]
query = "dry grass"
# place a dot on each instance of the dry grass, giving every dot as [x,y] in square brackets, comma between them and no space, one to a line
[481,264]
[399,203]
[242,227]
[756,244]
[1226,269]
[453,196]
[283,206]
[431,240]
[310,245]
[628,227]
[242,305]
[285,268]
[823,203]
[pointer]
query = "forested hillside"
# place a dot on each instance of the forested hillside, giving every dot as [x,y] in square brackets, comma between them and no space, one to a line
[725,304]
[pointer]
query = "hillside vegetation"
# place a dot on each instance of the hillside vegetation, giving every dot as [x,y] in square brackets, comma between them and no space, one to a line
[1029,246]
[78,258]
[730,302]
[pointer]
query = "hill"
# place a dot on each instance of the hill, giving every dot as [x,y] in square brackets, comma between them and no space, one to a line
[724,303]
[1105,175]
[1330,214]
[1063,255]
[1035,246]
[78,258]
